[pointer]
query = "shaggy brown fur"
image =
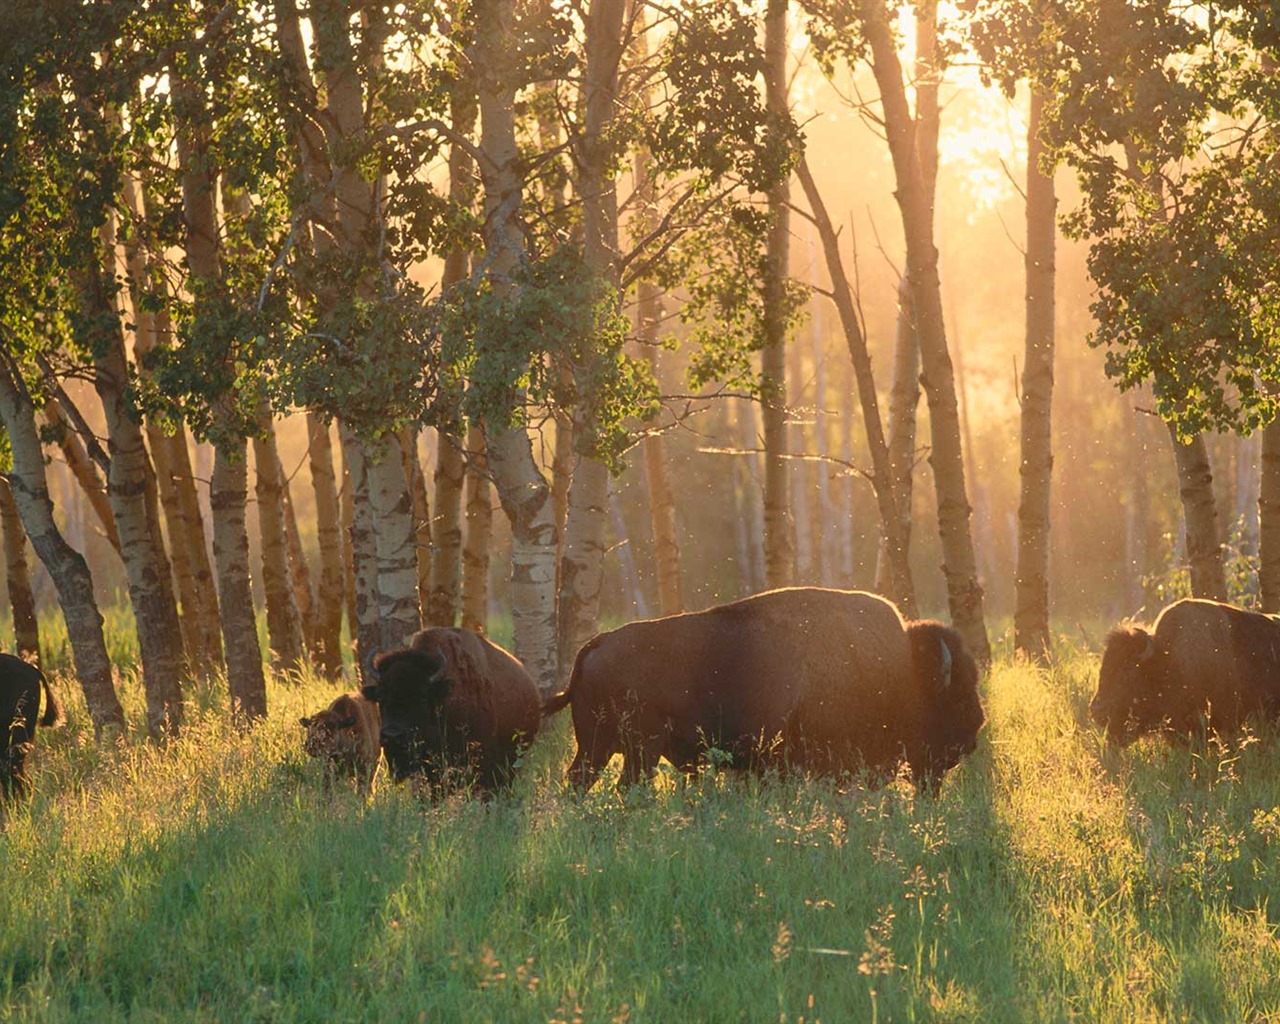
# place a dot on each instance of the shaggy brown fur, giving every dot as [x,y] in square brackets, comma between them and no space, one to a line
[20,685]
[1203,663]
[454,705]
[826,680]
[345,737]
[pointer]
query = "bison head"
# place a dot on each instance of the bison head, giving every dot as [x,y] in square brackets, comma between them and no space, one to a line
[948,679]
[331,732]
[1128,702]
[410,689]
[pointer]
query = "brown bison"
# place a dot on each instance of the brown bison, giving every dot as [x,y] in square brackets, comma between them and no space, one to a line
[1202,664]
[345,738]
[455,708]
[20,685]
[825,680]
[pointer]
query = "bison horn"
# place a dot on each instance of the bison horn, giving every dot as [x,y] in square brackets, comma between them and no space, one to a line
[1149,651]
[946,663]
[370,670]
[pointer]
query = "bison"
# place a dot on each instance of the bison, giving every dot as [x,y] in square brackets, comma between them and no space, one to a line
[455,708]
[1202,664]
[824,680]
[345,738]
[20,685]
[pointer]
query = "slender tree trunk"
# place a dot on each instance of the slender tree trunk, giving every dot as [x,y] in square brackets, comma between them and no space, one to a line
[350,577]
[475,555]
[1200,514]
[446,562]
[83,469]
[779,538]
[626,559]
[229,494]
[522,490]
[1269,519]
[582,560]
[22,601]
[192,571]
[328,647]
[300,577]
[131,489]
[364,550]
[662,500]
[228,488]
[416,482]
[66,566]
[823,523]
[1031,618]
[892,524]
[904,397]
[446,532]
[799,475]
[748,488]
[284,627]
[964,592]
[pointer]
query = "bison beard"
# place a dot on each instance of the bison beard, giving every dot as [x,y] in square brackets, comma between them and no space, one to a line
[1202,664]
[20,686]
[456,710]
[824,680]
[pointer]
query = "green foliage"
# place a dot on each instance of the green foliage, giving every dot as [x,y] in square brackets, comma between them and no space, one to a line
[557,316]
[209,879]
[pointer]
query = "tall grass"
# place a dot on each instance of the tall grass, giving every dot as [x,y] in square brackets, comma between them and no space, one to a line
[209,880]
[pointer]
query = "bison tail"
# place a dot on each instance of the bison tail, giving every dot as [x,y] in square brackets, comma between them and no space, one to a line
[52,709]
[557,702]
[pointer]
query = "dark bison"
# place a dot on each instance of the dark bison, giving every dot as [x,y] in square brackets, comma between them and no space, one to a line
[345,737]
[825,680]
[20,685]
[455,707]
[1202,664]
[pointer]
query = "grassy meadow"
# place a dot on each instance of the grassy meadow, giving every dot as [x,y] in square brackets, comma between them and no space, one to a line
[210,880]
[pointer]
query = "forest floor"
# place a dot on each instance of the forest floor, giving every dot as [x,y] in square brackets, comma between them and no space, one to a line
[210,879]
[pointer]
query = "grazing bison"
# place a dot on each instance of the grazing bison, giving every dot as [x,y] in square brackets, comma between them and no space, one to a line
[826,680]
[455,707]
[1202,664]
[345,737]
[20,685]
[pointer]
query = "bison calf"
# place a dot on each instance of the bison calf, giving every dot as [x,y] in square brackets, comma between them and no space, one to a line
[455,707]
[1202,664]
[20,685]
[825,680]
[345,737]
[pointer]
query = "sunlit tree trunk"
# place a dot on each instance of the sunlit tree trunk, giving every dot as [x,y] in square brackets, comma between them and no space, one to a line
[228,491]
[1200,515]
[582,559]
[188,544]
[800,471]
[522,490]
[1031,617]
[964,592]
[475,555]
[131,489]
[300,576]
[66,566]
[84,469]
[444,604]
[22,600]
[364,553]
[747,490]
[779,539]
[892,525]
[328,629]
[284,626]
[1269,519]
[420,510]
[648,316]
[347,506]
[904,395]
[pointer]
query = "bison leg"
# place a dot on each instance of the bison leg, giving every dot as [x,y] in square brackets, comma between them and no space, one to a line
[638,761]
[587,766]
